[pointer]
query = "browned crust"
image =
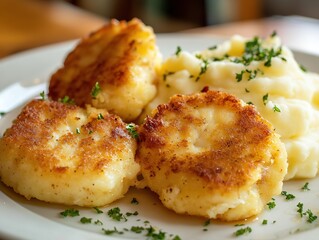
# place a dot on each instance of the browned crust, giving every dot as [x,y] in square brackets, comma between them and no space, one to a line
[30,133]
[232,156]
[105,56]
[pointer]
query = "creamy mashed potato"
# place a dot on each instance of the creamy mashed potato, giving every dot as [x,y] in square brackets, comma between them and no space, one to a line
[260,72]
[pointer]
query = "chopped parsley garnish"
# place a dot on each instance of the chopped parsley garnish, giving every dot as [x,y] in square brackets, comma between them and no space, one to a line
[250,103]
[66,100]
[264,222]
[99,211]
[137,229]
[115,214]
[131,128]
[271,204]
[311,216]
[98,222]
[243,231]
[203,69]
[42,95]
[276,109]
[239,76]
[254,51]
[134,201]
[308,213]
[303,68]
[70,213]
[212,48]
[305,187]
[111,231]
[128,214]
[265,99]
[95,90]
[287,195]
[207,222]
[246,90]
[178,50]
[100,116]
[90,132]
[239,224]
[167,74]
[300,209]
[2,114]
[77,130]
[176,238]
[274,34]
[251,74]
[86,220]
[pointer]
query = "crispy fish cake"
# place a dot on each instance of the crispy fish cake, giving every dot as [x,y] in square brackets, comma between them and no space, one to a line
[122,57]
[211,155]
[64,154]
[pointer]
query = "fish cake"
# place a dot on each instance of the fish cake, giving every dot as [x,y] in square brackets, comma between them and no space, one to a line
[61,153]
[209,154]
[114,68]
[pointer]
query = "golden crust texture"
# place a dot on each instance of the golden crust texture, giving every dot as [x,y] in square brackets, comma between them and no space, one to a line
[64,154]
[211,155]
[122,57]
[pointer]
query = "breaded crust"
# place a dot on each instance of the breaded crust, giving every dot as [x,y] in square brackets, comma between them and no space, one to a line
[122,57]
[64,154]
[210,154]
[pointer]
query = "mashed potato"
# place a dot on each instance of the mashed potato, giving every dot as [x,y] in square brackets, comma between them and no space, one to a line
[260,72]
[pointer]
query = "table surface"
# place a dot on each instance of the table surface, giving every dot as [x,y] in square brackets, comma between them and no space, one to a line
[38,23]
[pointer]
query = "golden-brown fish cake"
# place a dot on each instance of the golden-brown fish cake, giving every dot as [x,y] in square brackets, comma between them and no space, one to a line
[122,57]
[210,154]
[64,154]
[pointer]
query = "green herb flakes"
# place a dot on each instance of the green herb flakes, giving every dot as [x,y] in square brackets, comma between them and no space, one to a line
[300,209]
[243,231]
[115,214]
[264,222]
[274,34]
[311,216]
[276,109]
[66,100]
[42,95]
[100,116]
[111,231]
[203,68]
[265,99]
[86,220]
[131,128]
[207,222]
[134,201]
[165,75]
[98,211]
[239,76]
[303,68]
[98,222]
[305,187]
[271,204]
[287,195]
[95,90]
[70,213]
[178,51]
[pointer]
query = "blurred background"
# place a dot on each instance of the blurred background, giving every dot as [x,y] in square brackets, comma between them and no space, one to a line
[26,24]
[176,15]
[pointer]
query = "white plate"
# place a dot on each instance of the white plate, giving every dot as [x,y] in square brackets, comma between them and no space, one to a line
[23,219]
